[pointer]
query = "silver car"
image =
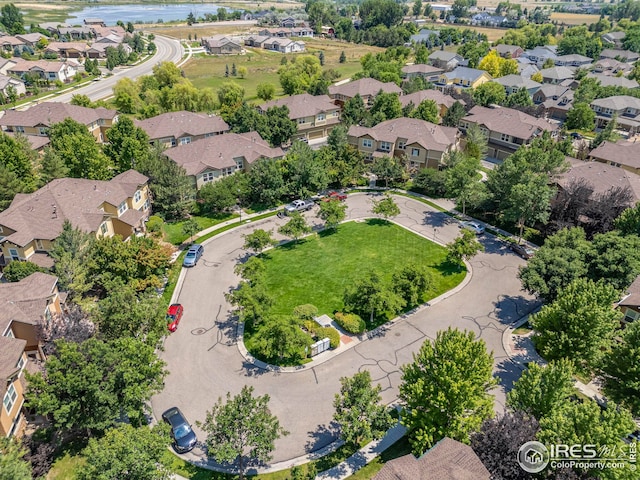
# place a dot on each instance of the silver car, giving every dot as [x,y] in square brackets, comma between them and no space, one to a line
[475,227]
[193,255]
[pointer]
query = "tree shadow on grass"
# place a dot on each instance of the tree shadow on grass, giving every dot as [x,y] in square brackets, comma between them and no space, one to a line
[321,437]
[447,268]
[378,222]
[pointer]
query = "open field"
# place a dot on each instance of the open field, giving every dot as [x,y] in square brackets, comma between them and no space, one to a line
[183,31]
[574,18]
[262,65]
[318,270]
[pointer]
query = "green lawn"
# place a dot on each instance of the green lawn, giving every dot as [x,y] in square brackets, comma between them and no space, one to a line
[318,270]
[398,449]
[173,231]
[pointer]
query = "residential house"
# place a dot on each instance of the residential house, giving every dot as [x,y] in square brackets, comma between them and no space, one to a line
[446,460]
[288,22]
[556,75]
[6,83]
[221,45]
[52,27]
[425,36]
[38,119]
[214,157]
[549,91]
[462,78]
[8,43]
[327,31]
[67,49]
[180,128]
[99,49]
[287,32]
[315,116]
[101,32]
[486,19]
[26,305]
[7,63]
[629,305]
[622,154]
[45,69]
[447,61]
[613,81]
[526,67]
[626,56]
[256,40]
[624,107]
[541,54]
[513,83]
[428,73]
[75,33]
[284,45]
[613,38]
[367,88]
[36,142]
[443,101]
[94,22]
[573,60]
[506,129]
[423,143]
[509,51]
[33,221]
[30,39]
[112,39]
[610,66]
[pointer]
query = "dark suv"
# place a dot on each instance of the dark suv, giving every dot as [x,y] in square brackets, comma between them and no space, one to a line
[184,438]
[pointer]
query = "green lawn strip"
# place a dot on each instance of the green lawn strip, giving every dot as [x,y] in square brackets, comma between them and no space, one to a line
[425,201]
[173,231]
[398,449]
[68,461]
[318,269]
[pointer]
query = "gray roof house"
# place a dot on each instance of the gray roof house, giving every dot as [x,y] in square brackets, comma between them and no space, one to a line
[613,38]
[556,75]
[613,81]
[621,154]
[445,60]
[182,127]
[539,55]
[622,55]
[625,107]
[513,83]
[573,60]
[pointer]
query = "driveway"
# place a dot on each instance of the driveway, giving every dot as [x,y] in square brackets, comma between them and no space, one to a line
[205,364]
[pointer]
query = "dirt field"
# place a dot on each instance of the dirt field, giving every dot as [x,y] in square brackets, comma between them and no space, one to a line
[183,31]
[574,18]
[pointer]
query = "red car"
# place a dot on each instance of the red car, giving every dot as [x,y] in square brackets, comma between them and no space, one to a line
[174,314]
[333,195]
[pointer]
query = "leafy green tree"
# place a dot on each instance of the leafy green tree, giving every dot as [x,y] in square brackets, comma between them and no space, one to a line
[411,282]
[454,115]
[344,164]
[251,299]
[497,66]
[332,212]
[521,98]
[489,93]
[463,247]
[542,389]
[258,240]
[71,251]
[607,134]
[283,341]
[343,57]
[17,156]
[369,297]
[170,187]
[388,169]
[581,117]
[12,19]
[252,269]
[296,227]
[79,151]
[579,324]
[242,430]
[265,91]
[530,202]
[279,126]
[475,142]
[79,99]
[615,259]
[386,106]
[380,12]
[266,183]
[386,207]
[305,172]
[230,95]
[427,111]
[417,8]
[13,466]
[354,111]
[126,452]
[127,144]
[446,389]
[628,223]
[16,270]
[298,76]
[52,166]
[87,386]
[359,412]
[620,369]
[462,180]
[190,227]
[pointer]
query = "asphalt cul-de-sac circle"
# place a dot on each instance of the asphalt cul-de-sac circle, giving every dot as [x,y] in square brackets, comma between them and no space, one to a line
[204,362]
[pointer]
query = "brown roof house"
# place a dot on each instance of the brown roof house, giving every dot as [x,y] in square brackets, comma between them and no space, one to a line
[629,305]
[443,101]
[315,116]
[367,88]
[37,119]
[214,157]
[47,70]
[179,128]
[33,221]
[67,49]
[446,460]
[426,72]
[621,154]
[423,143]
[221,45]
[507,129]
[24,306]
[624,107]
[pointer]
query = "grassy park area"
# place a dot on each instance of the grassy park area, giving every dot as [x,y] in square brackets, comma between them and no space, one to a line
[317,270]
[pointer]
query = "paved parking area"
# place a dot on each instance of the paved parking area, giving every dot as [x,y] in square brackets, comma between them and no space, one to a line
[205,363]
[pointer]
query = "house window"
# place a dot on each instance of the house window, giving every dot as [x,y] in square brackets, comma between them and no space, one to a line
[208,177]
[505,137]
[402,145]
[19,129]
[14,254]
[1,230]
[173,142]
[42,131]
[122,208]
[39,245]
[415,152]
[239,163]
[301,121]
[367,143]
[9,334]
[185,140]
[21,363]
[104,228]
[630,315]
[386,146]
[146,205]
[137,196]
[10,398]
[320,117]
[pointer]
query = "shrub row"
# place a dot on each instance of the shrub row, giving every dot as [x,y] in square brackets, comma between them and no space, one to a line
[350,322]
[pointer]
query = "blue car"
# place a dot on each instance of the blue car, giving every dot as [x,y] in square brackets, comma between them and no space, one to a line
[184,438]
[193,255]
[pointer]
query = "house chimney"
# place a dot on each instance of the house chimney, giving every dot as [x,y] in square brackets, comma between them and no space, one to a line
[54,214]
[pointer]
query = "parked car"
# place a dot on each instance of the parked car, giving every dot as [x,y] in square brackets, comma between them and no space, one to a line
[184,438]
[333,195]
[475,227]
[525,251]
[576,136]
[298,206]
[193,255]
[174,314]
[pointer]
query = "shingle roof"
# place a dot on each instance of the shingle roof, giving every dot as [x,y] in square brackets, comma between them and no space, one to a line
[617,102]
[219,152]
[466,73]
[436,95]
[615,53]
[303,105]
[573,57]
[612,81]
[179,124]
[48,113]
[36,141]
[508,121]
[422,68]
[516,81]
[364,87]
[557,73]
[446,460]
[25,301]
[41,215]
[11,349]
[632,299]
[502,48]
[602,177]
[444,56]
[428,135]
[622,152]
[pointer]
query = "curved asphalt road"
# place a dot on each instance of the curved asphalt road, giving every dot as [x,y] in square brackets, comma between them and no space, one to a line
[204,361]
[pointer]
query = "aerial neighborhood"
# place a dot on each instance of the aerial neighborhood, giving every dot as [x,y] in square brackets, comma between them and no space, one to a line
[332,240]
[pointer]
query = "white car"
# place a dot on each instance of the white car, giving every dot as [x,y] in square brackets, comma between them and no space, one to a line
[475,227]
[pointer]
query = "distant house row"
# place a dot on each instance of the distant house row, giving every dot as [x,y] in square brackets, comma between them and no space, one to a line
[225,45]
